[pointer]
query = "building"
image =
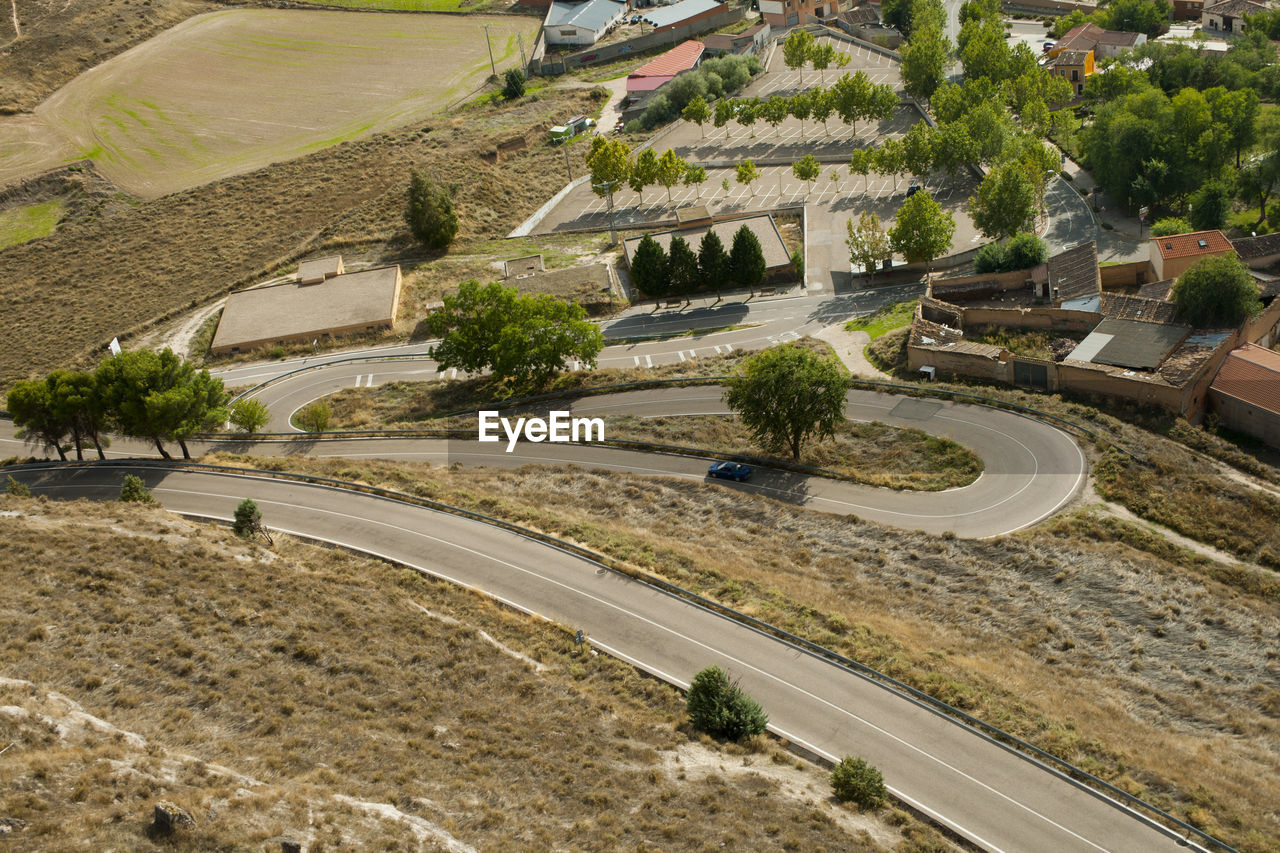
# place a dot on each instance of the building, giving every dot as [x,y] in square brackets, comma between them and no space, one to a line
[781,14]
[1246,393]
[646,80]
[1075,66]
[1187,10]
[1258,252]
[1227,17]
[581,23]
[316,271]
[1105,44]
[340,304]
[682,14]
[1173,255]
[749,41]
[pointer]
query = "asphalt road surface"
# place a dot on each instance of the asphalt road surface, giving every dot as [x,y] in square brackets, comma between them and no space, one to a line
[1031,469]
[997,799]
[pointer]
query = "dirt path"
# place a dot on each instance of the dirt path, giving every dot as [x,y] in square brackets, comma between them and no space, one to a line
[849,346]
[1122,513]
[178,334]
[17,29]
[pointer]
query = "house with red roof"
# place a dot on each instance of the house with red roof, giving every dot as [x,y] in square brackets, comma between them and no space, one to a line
[1246,392]
[1173,255]
[646,80]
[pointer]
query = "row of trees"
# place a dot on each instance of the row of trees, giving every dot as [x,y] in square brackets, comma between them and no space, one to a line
[801,49]
[680,271]
[156,396]
[523,339]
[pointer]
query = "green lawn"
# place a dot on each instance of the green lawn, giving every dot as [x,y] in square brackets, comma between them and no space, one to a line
[20,224]
[885,320]
[1246,221]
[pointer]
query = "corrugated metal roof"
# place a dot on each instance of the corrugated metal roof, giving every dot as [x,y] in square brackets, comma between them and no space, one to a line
[665,16]
[1188,245]
[594,15]
[1251,374]
[682,57]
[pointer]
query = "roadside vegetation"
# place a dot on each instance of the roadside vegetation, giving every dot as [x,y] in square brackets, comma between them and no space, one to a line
[1122,661]
[29,222]
[246,685]
[885,320]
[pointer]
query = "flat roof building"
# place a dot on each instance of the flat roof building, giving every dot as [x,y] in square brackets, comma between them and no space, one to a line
[344,304]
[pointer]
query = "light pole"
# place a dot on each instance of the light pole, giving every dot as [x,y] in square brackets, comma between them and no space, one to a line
[608,186]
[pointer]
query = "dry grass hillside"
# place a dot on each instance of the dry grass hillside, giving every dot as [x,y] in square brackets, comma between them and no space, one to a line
[111,272]
[59,40]
[1093,639]
[298,691]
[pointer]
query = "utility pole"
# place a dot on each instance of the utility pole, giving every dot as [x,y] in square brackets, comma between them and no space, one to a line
[567,170]
[608,186]
[492,66]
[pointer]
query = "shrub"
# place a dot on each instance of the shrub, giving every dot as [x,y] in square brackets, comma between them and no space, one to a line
[990,258]
[718,707]
[133,490]
[1170,225]
[1216,292]
[16,489]
[248,518]
[513,86]
[249,415]
[715,78]
[1020,252]
[429,212]
[855,781]
[314,417]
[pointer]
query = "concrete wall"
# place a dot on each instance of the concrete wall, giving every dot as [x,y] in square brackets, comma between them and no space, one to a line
[1053,319]
[1243,417]
[965,364]
[1120,276]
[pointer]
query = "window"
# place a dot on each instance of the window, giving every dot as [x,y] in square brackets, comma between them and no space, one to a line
[1075,74]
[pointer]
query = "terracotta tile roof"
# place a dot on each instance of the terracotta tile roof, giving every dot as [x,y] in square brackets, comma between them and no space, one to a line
[1236,8]
[1073,274]
[1083,37]
[1256,247]
[1251,374]
[1123,307]
[1188,245]
[682,57]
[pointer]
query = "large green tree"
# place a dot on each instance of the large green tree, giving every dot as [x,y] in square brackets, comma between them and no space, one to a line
[610,163]
[682,268]
[1005,202]
[746,259]
[644,171]
[524,340]
[924,62]
[649,272]
[697,112]
[671,168]
[160,397]
[922,230]
[1216,293]
[30,403]
[868,243]
[713,261]
[786,395]
[795,50]
[78,403]
[429,212]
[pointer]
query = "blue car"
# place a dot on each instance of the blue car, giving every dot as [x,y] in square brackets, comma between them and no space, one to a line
[730,471]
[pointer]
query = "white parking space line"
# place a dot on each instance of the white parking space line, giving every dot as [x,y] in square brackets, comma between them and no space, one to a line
[681,354]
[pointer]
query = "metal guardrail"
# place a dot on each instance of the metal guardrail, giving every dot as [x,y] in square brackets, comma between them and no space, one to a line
[1082,779]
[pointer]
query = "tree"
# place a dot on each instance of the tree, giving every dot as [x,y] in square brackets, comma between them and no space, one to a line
[775,110]
[723,112]
[1216,293]
[889,159]
[31,405]
[922,230]
[924,62]
[610,163]
[649,268]
[697,112]
[1005,202]
[800,107]
[746,173]
[806,169]
[513,84]
[796,50]
[1238,113]
[133,490]
[717,706]
[1210,206]
[713,261]
[78,403]
[1171,225]
[1258,180]
[917,150]
[161,397]
[1138,16]
[314,417]
[682,268]
[249,415]
[868,244]
[821,105]
[522,339]
[248,520]
[695,176]
[644,171]
[430,212]
[1022,251]
[671,169]
[855,781]
[15,489]
[822,55]
[746,259]
[786,395]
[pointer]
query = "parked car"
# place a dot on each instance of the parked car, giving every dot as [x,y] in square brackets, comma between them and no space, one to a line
[913,189]
[1048,46]
[635,19]
[730,471]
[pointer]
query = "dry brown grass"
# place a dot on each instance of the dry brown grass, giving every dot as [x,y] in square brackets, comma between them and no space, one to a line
[107,274]
[258,688]
[1147,671]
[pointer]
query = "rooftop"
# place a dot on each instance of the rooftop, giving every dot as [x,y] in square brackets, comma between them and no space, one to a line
[1251,374]
[1114,37]
[1071,57]
[317,270]
[666,16]
[1190,245]
[1129,343]
[592,15]
[1235,7]
[682,57]
[1256,247]
[1121,307]
[1073,274]
[864,14]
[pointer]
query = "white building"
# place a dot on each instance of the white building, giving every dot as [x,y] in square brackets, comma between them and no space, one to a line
[581,23]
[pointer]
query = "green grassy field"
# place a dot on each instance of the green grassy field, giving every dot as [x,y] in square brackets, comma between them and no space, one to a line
[172,113]
[20,224]
[887,319]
